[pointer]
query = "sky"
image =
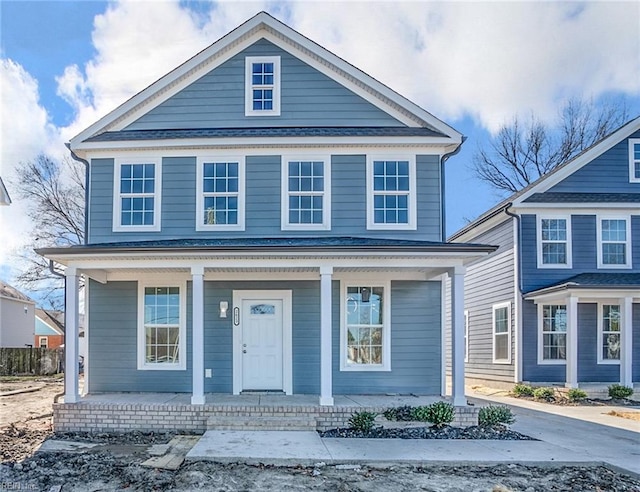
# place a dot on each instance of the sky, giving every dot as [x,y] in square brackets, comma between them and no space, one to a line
[474,65]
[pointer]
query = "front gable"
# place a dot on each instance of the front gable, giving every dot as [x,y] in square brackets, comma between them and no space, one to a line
[307,98]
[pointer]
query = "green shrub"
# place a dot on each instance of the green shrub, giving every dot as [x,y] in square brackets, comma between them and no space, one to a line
[440,413]
[421,414]
[522,390]
[543,393]
[495,415]
[576,394]
[362,421]
[403,413]
[618,391]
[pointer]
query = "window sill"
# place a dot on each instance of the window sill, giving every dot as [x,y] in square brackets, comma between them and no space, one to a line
[609,362]
[163,367]
[552,362]
[363,368]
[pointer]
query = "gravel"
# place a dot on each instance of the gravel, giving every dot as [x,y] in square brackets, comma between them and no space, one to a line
[473,432]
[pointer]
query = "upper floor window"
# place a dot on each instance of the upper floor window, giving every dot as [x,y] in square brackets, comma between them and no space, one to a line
[614,248]
[391,195]
[608,333]
[552,334]
[502,333]
[306,193]
[554,242]
[262,86]
[220,203]
[634,160]
[365,329]
[136,204]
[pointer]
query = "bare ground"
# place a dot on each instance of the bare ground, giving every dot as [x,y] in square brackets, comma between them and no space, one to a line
[25,423]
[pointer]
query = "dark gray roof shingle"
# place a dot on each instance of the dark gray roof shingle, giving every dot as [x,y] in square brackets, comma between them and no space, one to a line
[135,135]
[595,281]
[554,197]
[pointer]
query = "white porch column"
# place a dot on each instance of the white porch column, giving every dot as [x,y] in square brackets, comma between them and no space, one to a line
[197,336]
[626,341]
[457,336]
[71,316]
[572,343]
[326,380]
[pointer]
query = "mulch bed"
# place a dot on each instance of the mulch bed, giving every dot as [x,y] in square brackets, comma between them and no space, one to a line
[447,432]
[592,402]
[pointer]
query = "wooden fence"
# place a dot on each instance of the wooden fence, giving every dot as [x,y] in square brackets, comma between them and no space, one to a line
[35,361]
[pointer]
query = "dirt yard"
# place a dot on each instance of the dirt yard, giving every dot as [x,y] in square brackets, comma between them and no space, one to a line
[25,422]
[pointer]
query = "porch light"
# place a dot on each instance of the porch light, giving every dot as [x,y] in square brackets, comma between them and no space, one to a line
[224,306]
[365,294]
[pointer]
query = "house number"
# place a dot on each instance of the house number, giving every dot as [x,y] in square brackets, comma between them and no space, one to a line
[236,316]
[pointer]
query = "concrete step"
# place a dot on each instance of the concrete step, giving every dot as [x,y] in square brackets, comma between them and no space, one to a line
[260,423]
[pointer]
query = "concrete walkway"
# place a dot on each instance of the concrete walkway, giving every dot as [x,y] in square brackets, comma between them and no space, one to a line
[566,435]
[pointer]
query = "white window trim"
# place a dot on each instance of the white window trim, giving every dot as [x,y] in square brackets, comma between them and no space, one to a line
[539,220]
[494,308]
[200,225]
[248,98]
[182,364]
[386,326]
[466,335]
[326,195]
[600,345]
[157,195]
[627,219]
[632,170]
[541,360]
[45,340]
[413,208]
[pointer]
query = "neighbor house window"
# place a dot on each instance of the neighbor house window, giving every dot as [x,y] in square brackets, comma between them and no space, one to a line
[554,242]
[391,195]
[365,333]
[634,160]
[553,333]
[220,204]
[136,194]
[502,333]
[43,342]
[161,336]
[306,194]
[608,333]
[262,86]
[614,248]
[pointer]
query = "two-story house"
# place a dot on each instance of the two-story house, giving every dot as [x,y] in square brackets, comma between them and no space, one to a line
[559,300]
[266,217]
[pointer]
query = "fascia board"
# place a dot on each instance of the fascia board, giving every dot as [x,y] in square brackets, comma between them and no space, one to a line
[554,177]
[481,227]
[262,25]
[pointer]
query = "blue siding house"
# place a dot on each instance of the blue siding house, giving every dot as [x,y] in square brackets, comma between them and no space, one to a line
[265,218]
[563,301]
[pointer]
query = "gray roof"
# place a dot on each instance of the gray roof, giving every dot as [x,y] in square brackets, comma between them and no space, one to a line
[621,281]
[7,290]
[554,197]
[266,244]
[323,131]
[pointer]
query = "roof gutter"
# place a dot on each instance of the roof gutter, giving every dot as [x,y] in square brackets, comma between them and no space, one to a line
[86,189]
[443,213]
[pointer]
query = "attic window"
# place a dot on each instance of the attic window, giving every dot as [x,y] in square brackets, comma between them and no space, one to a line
[262,86]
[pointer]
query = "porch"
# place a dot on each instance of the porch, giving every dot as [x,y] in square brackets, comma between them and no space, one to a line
[158,412]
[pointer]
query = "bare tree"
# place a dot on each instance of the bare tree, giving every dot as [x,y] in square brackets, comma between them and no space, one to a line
[55,194]
[521,152]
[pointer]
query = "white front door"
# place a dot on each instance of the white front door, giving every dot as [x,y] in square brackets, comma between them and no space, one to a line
[262,367]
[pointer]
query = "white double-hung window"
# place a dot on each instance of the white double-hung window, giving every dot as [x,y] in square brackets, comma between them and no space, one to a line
[552,334]
[634,160]
[608,333]
[391,193]
[554,242]
[614,242]
[262,86]
[306,193]
[162,326]
[220,194]
[365,335]
[502,333]
[136,192]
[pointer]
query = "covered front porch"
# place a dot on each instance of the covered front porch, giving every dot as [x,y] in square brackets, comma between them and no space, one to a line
[211,273]
[174,411]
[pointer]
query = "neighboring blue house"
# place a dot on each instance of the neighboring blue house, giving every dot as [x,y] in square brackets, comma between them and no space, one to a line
[266,217]
[559,301]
